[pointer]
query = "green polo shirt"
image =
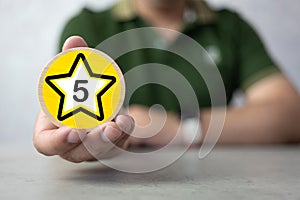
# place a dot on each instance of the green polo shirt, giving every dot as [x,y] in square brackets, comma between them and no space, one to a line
[234,46]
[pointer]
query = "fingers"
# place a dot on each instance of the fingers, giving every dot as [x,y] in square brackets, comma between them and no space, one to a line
[73,42]
[125,123]
[66,142]
[51,140]
[96,145]
[110,132]
[101,142]
[57,141]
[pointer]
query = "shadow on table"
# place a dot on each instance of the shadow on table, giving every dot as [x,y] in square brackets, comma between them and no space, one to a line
[186,169]
[226,164]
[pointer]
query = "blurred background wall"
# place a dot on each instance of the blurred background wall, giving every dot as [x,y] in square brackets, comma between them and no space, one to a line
[30,30]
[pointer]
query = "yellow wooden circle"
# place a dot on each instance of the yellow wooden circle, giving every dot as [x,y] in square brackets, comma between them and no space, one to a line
[81,88]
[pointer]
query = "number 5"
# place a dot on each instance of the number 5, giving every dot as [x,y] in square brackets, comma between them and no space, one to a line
[84,90]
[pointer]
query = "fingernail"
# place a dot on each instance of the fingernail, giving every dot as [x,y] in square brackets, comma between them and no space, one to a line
[125,126]
[76,136]
[65,129]
[110,134]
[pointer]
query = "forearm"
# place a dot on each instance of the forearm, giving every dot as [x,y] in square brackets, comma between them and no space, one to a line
[276,122]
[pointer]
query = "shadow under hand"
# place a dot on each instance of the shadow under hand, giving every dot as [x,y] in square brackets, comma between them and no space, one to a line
[184,169]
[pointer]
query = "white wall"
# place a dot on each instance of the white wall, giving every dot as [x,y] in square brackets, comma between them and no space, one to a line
[29,32]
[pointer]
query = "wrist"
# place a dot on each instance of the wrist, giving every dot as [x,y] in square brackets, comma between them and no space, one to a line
[191,131]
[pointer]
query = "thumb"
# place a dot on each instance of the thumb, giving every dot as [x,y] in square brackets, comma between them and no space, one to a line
[73,42]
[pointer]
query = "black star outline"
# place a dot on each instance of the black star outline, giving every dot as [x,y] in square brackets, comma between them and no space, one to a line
[49,79]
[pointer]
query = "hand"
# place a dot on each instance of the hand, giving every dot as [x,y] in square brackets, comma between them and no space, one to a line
[154,127]
[68,143]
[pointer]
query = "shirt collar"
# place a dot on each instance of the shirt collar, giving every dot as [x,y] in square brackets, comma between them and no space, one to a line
[124,11]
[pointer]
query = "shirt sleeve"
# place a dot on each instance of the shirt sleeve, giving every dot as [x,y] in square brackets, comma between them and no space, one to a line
[84,25]
[253,61]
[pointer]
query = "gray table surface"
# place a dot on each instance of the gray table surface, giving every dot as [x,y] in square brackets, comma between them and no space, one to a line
[236,172]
